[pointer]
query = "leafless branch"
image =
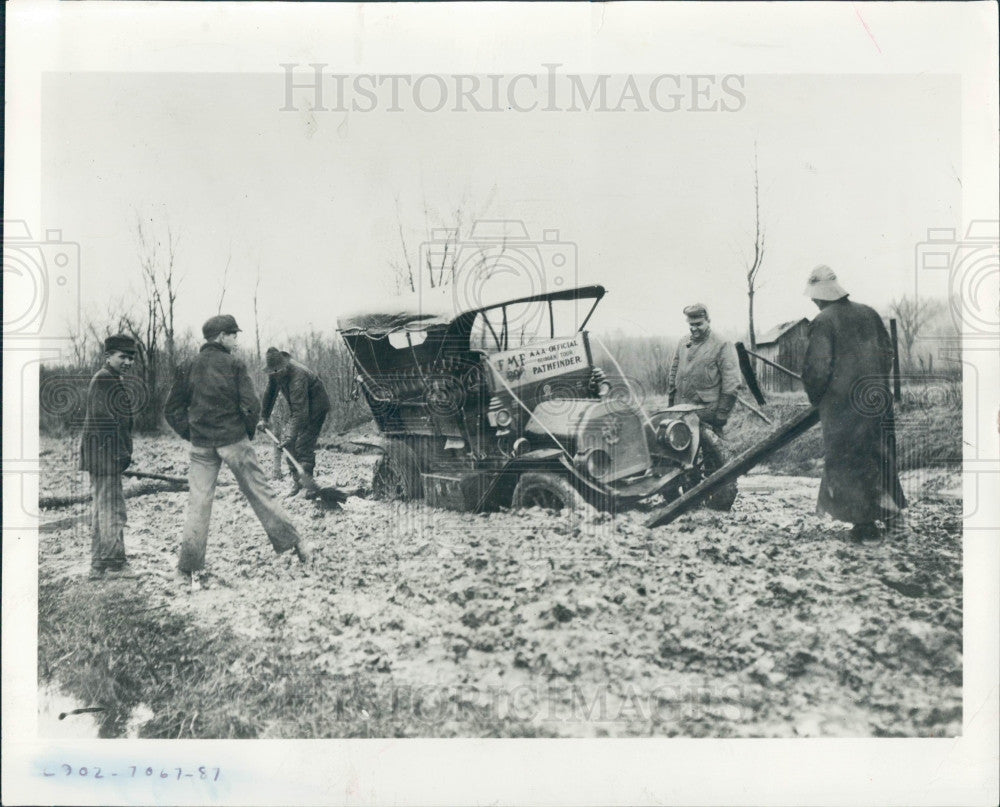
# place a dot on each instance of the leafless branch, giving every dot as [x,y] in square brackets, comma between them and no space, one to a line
[256,315]
[753,266]
[225,278]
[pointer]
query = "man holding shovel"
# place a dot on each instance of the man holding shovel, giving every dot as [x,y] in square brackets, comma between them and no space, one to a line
[105,452]
[213,405]
[309,405]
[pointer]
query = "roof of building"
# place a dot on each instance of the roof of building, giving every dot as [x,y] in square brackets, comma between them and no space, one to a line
[773,335]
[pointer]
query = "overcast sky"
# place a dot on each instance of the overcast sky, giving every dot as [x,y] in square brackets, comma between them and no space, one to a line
[853,171]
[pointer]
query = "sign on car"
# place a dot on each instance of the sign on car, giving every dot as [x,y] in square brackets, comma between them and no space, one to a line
[530,363]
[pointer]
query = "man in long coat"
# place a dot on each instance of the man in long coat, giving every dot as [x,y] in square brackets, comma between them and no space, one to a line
[846,375]
[105,452]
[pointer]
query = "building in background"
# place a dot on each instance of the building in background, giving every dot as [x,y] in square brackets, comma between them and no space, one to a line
[786,345]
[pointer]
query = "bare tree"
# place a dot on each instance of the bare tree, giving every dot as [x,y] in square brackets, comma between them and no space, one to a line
[438,266]
[155,322]
[225,279]
[158,265]
[401,274]
[912,315]
[753,264]
[256,313]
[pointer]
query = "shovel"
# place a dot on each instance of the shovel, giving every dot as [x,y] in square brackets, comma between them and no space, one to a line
[330,498]
[177,480]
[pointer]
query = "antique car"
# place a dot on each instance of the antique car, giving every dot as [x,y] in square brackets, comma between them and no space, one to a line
[497,402]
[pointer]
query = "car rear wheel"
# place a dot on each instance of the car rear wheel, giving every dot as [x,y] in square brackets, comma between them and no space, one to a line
[397,474]
[548,491]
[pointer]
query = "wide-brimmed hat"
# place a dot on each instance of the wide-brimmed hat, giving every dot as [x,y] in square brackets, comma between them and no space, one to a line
[823,285]
[121,343]
[221,323]
[275,359]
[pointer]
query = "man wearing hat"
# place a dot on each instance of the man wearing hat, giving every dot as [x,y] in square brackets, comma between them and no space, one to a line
[308,403]
[213,405]
[106,451]
[846,375]
[705,372]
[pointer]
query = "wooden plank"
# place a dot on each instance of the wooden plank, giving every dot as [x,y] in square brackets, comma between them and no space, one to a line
[736,467]
[746,367]
[775,365]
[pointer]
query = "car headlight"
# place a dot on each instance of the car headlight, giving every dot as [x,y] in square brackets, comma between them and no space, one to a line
[595,463]
[676,434]
[604,389]
[504,418]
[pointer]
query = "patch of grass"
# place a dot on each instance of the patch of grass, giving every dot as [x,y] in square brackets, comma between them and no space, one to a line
[928,430]
[107,646]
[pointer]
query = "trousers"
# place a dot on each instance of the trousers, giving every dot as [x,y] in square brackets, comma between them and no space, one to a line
[304,449]
[202,477]
[107,545]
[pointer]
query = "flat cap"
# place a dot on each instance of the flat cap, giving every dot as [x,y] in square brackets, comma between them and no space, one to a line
[275,359]
[696,310]
[121,343]
[222,323]
[823,285]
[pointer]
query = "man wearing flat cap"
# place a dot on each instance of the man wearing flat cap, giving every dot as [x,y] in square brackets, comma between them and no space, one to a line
[846,375]
[213,405]
[308,404]
[705,373]
[105,452]
[705,370]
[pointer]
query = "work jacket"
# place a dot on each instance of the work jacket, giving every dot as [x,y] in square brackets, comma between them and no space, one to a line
[846,375]
[106,445]
[702,371]
[212,401]
[302,388]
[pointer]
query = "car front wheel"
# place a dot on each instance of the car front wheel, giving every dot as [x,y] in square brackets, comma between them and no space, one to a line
[548,491]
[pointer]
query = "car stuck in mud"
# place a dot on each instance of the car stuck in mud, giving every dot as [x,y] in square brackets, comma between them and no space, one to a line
[500,403]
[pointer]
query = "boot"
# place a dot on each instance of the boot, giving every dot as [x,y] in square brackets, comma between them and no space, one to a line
[866,531]
[296,485]
[312,491]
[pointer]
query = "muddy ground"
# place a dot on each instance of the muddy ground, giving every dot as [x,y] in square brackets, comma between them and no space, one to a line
[424,622]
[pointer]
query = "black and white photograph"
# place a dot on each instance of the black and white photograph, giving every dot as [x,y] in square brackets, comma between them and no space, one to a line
[607,389]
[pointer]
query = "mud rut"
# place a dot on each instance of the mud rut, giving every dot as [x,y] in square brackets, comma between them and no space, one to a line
[761,622]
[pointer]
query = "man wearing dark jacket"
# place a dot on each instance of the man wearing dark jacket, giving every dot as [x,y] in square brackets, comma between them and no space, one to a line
[105,452]
[846,375]
[308,403]
[213,405]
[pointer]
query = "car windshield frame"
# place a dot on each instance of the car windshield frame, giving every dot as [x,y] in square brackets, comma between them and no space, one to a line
[445,335]
[462,325]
